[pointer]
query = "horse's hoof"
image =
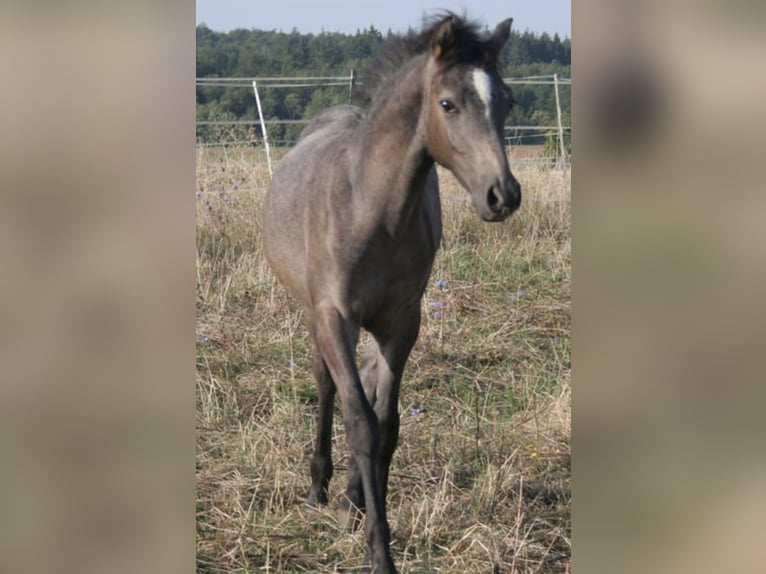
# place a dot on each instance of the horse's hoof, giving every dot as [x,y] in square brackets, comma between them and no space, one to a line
[349,516]
[315,500]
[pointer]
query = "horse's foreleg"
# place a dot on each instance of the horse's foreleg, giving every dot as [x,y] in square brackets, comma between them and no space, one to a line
[336,339]
[393,349]
[353,501]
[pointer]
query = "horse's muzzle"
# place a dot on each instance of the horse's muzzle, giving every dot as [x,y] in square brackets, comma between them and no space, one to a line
[503,198]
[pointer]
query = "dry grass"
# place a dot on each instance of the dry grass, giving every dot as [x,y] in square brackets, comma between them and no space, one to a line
[481,480]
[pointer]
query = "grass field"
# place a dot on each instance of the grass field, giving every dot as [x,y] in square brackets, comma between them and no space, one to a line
[480,482]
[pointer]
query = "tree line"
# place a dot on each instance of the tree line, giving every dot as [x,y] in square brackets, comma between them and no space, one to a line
[259,53]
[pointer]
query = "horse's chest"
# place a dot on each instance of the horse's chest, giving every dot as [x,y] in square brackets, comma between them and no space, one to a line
[392,280]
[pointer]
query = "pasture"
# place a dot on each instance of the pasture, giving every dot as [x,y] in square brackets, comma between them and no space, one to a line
[481,479]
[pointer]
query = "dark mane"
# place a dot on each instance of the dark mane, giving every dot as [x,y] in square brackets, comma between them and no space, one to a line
[469,47]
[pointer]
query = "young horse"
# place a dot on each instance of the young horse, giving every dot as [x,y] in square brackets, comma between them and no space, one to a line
[351,225]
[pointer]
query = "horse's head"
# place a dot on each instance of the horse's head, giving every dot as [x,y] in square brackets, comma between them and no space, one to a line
[466,105]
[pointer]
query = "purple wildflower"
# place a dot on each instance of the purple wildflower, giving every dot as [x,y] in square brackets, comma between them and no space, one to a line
[440,283]
[513,296]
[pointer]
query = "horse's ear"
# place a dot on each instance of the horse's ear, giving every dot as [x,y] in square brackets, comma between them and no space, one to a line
[443,37]
[501,34]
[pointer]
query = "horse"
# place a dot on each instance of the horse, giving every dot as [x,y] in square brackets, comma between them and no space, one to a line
[352,223]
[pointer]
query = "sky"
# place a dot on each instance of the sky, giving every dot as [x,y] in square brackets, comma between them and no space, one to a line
[348,16]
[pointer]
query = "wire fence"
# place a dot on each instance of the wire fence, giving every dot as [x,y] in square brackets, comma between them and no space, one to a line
[255,131]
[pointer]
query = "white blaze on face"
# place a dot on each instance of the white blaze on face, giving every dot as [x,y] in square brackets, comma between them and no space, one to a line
[483,84]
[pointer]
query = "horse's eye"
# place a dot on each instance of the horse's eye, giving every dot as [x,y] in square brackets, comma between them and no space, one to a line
[447,106]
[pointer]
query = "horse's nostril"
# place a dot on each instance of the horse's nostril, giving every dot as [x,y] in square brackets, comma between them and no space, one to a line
[494,198]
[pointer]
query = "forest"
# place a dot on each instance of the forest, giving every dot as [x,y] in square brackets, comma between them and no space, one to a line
[244,53]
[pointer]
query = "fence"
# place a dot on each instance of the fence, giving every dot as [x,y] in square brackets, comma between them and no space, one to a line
[514,134]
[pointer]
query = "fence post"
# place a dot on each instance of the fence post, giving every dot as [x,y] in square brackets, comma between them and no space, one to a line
[263,128]
[351,83]
[562,149]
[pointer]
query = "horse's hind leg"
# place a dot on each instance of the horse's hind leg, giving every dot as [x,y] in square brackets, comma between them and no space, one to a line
[321,462]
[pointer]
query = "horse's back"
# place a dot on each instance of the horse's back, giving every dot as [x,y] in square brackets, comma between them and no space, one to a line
[336,120]
[322,141]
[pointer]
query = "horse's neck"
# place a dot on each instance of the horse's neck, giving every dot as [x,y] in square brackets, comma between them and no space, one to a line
[394,159]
